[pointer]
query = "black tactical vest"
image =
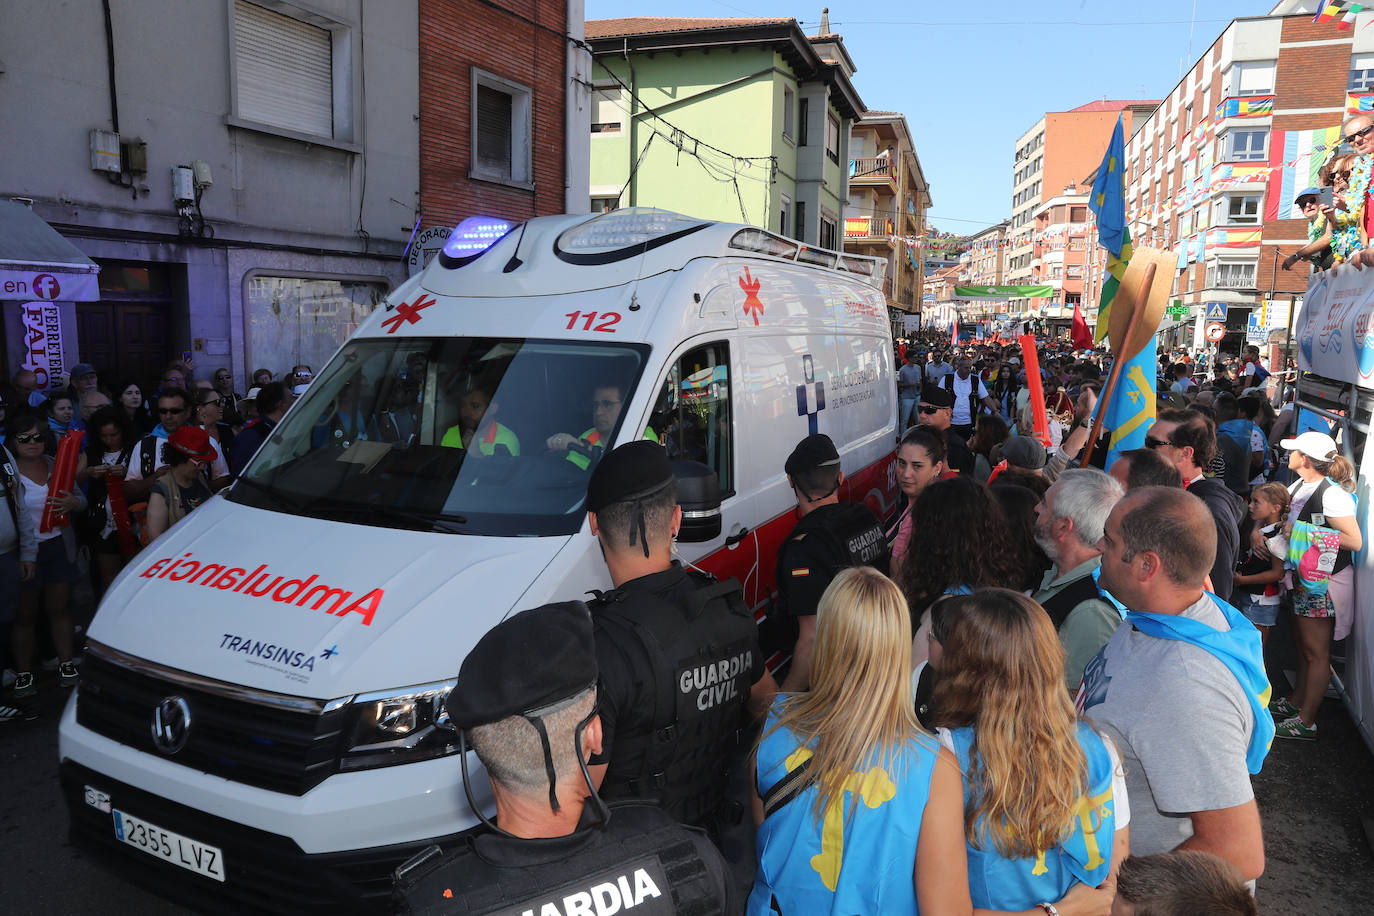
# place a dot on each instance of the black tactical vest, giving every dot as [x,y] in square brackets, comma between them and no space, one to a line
[701,644]
[639,864]
[1069,597]
[852,534]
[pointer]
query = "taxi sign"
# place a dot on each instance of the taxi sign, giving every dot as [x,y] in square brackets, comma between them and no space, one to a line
[1215,332]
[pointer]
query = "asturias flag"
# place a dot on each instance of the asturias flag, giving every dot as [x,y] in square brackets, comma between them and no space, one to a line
[1108,203]
[1132,410]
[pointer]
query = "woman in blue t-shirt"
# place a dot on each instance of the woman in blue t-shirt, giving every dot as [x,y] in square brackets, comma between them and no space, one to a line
[859,810]
[1045,808]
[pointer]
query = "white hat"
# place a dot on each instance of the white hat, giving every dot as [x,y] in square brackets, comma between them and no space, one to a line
[299,390]
[1313,444]
[252,394]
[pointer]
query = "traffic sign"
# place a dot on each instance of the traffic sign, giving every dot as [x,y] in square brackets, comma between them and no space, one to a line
[1216,311]
[1215,332]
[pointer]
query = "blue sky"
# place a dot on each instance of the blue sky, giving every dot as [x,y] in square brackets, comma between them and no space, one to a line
[949,69]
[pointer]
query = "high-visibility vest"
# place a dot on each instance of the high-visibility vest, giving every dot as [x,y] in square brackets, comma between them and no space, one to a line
[495,435]
[593,438]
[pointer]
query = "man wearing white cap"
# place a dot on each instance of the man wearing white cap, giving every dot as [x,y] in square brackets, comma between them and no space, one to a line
[1322,498]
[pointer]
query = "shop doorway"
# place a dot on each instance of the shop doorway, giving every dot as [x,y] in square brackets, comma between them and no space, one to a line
[127,334]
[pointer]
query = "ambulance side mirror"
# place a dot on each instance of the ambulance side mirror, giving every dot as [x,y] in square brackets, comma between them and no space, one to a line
[698,493]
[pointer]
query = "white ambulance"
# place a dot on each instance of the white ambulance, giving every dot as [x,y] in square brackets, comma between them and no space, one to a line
[261,708]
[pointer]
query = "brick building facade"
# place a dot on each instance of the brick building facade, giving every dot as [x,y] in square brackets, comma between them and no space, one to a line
[1211,173]
[502,120]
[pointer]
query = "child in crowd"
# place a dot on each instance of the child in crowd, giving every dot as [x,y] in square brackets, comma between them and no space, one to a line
[1259,568]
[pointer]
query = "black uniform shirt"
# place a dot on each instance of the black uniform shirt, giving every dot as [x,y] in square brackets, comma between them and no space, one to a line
[625,695]
[808,560]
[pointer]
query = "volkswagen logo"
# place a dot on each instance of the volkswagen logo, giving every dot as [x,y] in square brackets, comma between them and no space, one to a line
[171,725]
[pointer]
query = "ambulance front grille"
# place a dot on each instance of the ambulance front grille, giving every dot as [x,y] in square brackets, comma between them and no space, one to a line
[287,751]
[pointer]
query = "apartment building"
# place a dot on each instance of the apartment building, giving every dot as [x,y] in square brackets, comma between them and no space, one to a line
[984,261]
[744,120]
[888,199]
[1058,150]
[1061,239]
[1213,170]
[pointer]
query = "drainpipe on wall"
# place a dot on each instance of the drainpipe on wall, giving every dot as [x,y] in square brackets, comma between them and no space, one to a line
[577,153]
[634,94]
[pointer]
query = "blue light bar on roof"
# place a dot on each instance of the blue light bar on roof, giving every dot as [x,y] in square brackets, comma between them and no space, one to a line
[475,235]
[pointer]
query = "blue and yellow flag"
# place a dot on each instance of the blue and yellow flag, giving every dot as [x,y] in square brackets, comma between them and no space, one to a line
[1108,203]
[1132,410]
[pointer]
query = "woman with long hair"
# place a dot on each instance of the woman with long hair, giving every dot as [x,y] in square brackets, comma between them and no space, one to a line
[110,440]
[1322,496]
[961,544]
[1018,504]
[991,432]
[859,811]
[1045,808]
[920,462]
[129,398]
[54,570]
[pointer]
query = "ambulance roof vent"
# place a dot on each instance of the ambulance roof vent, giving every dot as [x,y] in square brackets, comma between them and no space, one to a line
[761,241]
[623,234]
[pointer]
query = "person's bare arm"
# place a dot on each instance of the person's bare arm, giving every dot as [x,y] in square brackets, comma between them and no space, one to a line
[761,696]
[799,677]
[157,515]
[1233,834]
[941,872]
[1351,539]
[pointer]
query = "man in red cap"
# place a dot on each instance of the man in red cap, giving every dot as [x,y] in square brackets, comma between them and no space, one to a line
[176,493]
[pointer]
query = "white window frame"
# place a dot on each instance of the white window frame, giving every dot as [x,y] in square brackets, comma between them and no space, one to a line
[785,215]
[1247,78]
[602,199]
[346,132]
[789,114]
[1228,145]
[606,88]
[521,138]
[1225,217]
[1361,73]
[831,220]
[1213,278]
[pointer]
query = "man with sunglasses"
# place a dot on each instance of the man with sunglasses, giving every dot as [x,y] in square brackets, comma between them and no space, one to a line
[224,384]
[1359,133]
[1188,439]
[607,401]
[935,409]
[148,463]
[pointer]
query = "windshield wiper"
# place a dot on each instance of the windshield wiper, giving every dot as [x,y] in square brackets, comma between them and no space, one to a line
[436,521]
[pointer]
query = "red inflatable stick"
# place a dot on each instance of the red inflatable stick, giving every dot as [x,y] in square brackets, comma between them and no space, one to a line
[1037,391]
[119,508]
[62,480]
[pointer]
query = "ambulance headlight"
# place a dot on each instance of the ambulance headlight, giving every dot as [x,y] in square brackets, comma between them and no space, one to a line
[401,726]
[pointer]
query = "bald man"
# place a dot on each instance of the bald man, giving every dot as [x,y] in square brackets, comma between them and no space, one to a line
[1173,685]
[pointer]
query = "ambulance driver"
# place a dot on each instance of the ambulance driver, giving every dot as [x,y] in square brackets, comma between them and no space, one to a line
[526,700]
[680,664]
[477,422]
[607,400]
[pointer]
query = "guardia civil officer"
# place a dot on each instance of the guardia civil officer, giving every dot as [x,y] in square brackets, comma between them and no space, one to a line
[526,701]
[830,535]
[681,670]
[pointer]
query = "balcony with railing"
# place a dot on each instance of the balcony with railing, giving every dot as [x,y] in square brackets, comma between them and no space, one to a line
[876,172]
[868,228]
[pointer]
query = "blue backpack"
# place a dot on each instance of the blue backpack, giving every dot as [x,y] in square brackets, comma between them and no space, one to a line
[1239,431]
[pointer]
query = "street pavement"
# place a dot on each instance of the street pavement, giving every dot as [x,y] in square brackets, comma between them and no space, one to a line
[1313,798]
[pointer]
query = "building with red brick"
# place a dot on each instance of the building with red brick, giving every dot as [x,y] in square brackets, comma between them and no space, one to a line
[1213,170]
[504,110]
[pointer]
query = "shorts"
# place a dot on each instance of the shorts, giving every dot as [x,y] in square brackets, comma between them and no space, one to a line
[53,566]
[1307,605]
[1261,615]
[9,586]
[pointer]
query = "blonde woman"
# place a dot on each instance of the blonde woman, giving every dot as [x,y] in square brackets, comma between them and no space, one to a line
[1045,809]
[859,810]
[1322,496]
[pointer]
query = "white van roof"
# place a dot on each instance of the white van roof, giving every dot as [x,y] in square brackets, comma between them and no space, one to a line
[552,255]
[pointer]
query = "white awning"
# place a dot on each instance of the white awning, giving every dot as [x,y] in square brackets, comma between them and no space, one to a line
[37,263]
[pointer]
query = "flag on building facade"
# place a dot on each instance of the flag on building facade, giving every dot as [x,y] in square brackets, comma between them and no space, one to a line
[1108,204]
[1342,11]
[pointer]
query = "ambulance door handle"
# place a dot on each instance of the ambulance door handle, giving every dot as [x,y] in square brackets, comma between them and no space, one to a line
[736,536]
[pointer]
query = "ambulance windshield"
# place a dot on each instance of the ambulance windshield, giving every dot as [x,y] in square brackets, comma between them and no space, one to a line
[481,436]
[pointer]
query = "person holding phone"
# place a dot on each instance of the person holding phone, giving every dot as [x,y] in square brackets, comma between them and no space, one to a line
[110,440]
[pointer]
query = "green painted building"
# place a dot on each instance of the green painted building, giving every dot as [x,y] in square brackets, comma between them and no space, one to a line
[742,120]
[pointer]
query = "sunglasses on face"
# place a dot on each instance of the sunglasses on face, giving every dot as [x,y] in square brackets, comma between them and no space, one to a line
[927,408]
[1152,443]
[1352,137]
[166,410]
[28,437]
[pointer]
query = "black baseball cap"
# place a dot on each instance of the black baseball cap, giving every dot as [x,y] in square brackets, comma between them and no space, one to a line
[815,451]
[937,396]
[630,472]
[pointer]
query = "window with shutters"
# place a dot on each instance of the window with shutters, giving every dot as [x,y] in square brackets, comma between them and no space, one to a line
[789,112]
[291,72]
[832,137]
[608,111]
[500,130]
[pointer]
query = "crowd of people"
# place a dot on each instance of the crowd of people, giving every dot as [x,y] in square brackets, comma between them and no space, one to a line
[1038,688]
[149,455]
[1340,217]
